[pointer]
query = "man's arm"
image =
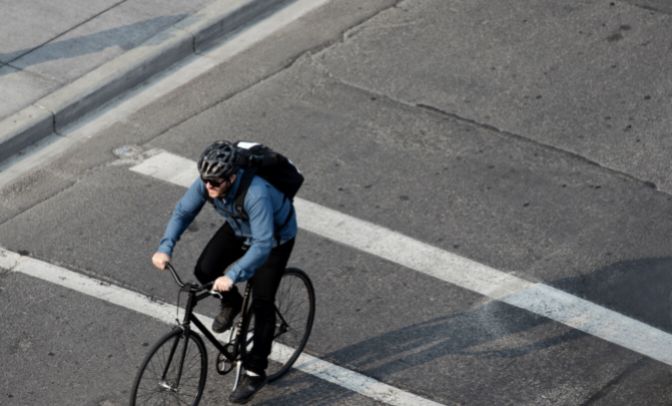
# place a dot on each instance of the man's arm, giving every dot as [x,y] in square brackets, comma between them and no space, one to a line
[186,210]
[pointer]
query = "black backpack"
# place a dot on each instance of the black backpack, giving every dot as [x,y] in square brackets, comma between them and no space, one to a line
[275,168]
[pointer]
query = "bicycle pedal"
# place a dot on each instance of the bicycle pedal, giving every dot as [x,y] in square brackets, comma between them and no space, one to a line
[224,365]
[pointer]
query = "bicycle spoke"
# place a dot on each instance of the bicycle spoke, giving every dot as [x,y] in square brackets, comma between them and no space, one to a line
[294,313]
[166,378]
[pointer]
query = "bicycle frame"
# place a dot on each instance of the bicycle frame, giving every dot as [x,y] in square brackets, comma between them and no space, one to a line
[196,293]
[190,318]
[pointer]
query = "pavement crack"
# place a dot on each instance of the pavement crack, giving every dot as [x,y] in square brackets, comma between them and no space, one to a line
[503,133]
[657,8]
[357,28]
[521,138]
[289,63]
[604,391]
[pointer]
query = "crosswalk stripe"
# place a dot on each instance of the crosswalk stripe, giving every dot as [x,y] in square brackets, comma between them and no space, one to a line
[537,298]
[166,313]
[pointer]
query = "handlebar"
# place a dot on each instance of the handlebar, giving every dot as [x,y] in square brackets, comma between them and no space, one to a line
[196,287]
[173,272]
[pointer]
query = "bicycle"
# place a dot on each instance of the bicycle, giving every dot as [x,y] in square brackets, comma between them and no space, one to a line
[175,368]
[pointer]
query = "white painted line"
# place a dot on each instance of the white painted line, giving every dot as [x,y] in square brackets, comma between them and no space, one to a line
[8,260]
[537,298]
[168,167]
[95,288]
[168,313]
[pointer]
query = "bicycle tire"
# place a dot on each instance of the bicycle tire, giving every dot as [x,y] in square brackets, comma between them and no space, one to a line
[295,304]
[151,388]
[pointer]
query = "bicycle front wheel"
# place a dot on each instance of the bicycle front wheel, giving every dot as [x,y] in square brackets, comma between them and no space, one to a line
[173,372]
[295,311]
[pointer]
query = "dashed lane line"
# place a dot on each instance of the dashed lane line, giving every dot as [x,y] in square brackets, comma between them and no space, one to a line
[538,298]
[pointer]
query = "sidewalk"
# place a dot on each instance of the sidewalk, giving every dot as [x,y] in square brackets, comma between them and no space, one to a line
[61,61]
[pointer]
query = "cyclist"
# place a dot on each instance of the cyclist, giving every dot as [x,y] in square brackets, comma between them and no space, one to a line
[255,248]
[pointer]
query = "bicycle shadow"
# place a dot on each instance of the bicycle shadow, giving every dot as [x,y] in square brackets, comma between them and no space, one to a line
[637,288]
[125,37]
[383,356]
[640,289]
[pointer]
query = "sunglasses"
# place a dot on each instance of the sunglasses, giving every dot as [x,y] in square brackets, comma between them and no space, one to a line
[214,182]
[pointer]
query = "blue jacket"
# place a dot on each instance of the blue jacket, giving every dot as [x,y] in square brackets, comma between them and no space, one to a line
[265,206]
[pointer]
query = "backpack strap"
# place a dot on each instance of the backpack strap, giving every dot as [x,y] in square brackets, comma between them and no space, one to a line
[276,229]
[245,181]
[289,217]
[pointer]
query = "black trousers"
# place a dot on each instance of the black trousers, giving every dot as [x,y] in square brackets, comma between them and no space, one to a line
[222,250]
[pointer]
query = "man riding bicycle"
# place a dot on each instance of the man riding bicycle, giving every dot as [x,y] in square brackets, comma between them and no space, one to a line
[255,246]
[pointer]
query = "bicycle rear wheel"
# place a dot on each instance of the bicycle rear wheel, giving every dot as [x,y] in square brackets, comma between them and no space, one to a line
[173,372]
[295,311]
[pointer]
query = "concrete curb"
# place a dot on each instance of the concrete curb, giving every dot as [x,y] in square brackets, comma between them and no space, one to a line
[69,103]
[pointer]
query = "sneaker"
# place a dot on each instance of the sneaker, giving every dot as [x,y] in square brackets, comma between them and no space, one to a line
[224,320]
[247,387]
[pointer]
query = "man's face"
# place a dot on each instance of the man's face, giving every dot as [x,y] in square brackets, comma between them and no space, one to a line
[218,187]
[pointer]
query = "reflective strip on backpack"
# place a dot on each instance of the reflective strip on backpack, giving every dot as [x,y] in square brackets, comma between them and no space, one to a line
[246,145]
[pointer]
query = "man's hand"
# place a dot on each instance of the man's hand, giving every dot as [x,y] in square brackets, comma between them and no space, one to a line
[222,284]
[160,259]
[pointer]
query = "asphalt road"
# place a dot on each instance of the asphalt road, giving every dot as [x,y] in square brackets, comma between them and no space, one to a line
[500,133]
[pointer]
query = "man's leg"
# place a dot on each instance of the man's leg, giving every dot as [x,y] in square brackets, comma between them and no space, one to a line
[264,286]
[221,251]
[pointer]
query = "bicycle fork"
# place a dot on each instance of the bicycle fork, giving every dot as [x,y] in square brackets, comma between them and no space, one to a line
[184,326]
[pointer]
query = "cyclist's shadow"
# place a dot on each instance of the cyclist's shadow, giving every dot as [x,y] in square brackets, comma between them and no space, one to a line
[468,333]
[640,289]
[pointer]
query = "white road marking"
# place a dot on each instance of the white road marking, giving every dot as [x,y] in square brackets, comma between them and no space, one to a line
[166,313]
[537,298]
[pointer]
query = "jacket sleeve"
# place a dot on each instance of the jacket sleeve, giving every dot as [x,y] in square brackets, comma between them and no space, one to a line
[185,212]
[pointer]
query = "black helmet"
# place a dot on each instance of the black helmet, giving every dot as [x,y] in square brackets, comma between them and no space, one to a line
[218,161]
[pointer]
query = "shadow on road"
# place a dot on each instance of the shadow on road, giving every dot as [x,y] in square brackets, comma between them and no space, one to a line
[125,37]
[467,334]
[638,288]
